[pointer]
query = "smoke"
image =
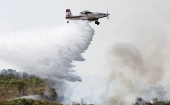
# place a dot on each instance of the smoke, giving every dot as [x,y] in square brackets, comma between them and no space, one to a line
[141,59]
[132,73]
[153,95]
[14,72]
[156,93]
[35,97]
[46,51]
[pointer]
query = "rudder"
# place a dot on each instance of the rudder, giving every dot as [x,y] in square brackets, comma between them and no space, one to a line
[68,13]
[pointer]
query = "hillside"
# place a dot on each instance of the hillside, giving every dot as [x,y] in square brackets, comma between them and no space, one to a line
[14,85]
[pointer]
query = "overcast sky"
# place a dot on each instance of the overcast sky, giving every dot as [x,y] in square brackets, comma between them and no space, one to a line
[27,14]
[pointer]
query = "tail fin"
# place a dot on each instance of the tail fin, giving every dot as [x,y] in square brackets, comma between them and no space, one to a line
[68,13]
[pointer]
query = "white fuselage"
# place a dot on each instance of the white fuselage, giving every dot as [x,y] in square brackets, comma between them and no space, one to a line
[86,15]
[91,16]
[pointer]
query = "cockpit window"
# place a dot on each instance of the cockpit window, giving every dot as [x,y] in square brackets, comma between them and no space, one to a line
[85,12]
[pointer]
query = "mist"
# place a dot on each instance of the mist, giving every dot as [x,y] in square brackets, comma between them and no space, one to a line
[46,52]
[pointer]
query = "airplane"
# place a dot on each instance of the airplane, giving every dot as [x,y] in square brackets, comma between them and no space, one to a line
[86,15]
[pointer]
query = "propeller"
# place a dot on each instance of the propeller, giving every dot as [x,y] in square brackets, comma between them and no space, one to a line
[107,15]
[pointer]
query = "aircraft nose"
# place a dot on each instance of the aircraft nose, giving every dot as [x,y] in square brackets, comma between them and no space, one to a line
[106,14]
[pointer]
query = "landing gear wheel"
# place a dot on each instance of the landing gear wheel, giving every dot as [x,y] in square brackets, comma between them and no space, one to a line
[97,22]
[67,21]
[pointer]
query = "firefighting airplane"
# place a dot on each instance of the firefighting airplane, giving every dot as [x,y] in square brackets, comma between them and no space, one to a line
[86,15]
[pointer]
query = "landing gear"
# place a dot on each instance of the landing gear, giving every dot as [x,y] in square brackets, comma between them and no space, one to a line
[97,22]
[68,21]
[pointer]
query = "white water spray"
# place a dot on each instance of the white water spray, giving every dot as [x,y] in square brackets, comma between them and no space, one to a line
[46,51]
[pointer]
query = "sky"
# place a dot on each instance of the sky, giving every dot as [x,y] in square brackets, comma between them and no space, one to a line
[140,28]
[28,14]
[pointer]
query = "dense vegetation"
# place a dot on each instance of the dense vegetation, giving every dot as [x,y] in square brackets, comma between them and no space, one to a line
[13,86]
[28,102]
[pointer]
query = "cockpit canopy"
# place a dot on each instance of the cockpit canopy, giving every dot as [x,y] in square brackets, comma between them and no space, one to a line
[85,12]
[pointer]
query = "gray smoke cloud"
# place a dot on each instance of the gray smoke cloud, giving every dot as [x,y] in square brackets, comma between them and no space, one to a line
[46,51]
[142,59]
[132,73]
